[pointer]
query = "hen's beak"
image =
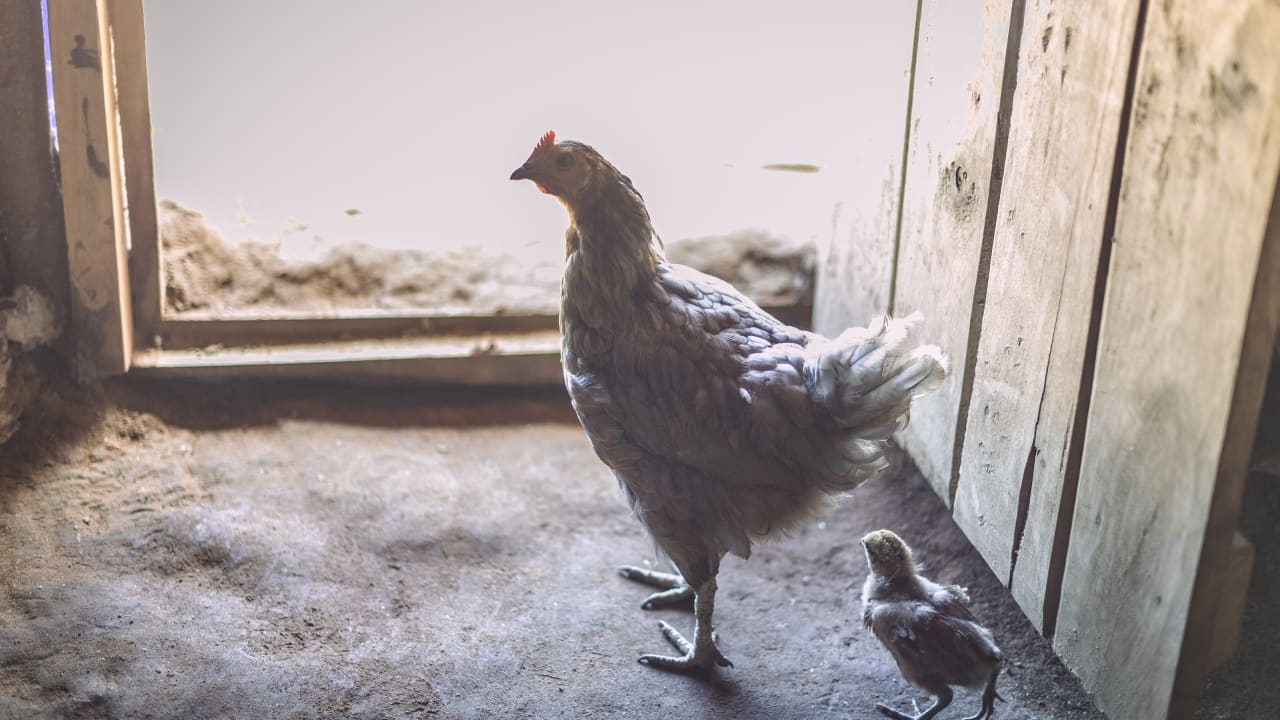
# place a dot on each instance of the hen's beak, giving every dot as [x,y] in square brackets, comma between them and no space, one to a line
[524,172]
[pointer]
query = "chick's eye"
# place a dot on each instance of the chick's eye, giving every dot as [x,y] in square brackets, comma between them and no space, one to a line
[564,160]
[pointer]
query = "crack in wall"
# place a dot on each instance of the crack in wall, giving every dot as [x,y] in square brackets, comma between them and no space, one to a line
[1008,88]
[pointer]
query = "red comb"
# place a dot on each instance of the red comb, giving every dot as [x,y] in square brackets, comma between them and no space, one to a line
[547,140]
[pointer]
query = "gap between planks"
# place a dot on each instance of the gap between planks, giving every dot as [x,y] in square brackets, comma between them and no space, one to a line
[906,152]
[1008,87]
[1075,447]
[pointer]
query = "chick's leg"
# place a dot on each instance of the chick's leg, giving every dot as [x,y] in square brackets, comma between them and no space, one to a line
[989,696]
[702,652]
[943,694]
[672,589]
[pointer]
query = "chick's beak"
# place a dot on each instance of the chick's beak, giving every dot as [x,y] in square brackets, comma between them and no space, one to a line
[524,172]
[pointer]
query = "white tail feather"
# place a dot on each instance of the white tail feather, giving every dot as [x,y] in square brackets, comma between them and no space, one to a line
[867,377]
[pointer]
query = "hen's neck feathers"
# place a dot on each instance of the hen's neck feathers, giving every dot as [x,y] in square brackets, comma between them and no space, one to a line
[613,254]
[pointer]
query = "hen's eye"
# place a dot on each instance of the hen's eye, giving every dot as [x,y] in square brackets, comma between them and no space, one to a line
[564,160]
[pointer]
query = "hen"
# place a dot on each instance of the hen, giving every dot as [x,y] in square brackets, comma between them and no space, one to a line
[927,628]
[722,424]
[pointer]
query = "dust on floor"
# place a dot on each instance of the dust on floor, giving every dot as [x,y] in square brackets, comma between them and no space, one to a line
[312,552]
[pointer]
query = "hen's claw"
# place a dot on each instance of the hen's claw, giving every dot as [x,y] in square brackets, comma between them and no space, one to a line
[674,590]
[693,658]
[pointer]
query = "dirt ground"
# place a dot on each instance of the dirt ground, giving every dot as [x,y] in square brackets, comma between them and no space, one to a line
[317,551]
[205,273]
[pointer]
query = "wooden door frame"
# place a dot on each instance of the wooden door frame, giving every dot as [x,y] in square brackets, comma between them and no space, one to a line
[132,333]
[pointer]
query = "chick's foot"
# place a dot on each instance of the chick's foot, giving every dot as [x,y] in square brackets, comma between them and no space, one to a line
[943,700]
[672,589]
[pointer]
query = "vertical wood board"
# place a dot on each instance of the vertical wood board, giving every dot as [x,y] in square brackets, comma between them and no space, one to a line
[855,268]
[145,283]
[1073,68]
[951,148]
[1201,163]
[93,212]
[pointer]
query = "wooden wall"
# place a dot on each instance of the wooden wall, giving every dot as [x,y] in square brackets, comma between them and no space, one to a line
[1081,212]
[80,44]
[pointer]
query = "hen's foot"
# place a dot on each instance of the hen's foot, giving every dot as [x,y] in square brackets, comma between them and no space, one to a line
[700,657]
[673,589]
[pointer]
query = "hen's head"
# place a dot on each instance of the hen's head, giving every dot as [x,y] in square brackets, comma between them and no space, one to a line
[569,170]
[887,554]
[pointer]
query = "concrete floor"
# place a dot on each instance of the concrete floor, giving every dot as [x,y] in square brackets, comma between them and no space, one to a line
[314,552]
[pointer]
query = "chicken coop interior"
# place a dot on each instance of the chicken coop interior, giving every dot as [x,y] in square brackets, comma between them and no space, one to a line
[284,430]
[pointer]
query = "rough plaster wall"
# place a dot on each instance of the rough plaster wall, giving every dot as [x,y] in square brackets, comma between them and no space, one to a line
[33,259]
[28,321]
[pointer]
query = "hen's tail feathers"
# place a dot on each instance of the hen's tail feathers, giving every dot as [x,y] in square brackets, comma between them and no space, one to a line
[866,378]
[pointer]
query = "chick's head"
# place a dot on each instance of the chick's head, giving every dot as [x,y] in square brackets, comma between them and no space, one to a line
[887,555]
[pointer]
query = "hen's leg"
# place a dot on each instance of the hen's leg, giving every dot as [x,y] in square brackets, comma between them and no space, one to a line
[702,652]
[672,587]
[943,694]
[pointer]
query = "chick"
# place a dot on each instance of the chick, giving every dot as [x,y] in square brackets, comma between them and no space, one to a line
[927,629]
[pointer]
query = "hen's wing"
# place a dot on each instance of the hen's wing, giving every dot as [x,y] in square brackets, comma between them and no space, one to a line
[706,380]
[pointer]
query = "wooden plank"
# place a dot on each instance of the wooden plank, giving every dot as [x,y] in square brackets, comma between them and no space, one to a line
[1261,324]
[187,332]
[952,173]
[855,269]
[1230,615]
[1187,327]
[93,212]
[1265,458]
[197,330]
[1072,72]
[528,359]
[145,279]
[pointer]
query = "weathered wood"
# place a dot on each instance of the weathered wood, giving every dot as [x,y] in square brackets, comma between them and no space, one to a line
[93,212]
[1072,71]
[145,278]
[951,175]
[528,359]
[1235,591]
[1187,327]
[32,251]
[855,269]
[1265,458]
[197,330]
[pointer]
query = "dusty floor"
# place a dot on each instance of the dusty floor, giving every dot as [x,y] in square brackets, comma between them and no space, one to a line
[303,551]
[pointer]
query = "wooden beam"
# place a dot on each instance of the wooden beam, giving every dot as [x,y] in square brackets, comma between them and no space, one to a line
[92,198]
[145,278]
[193,331]
[954,161]
[1073,69]
[527,359]
[1231,603]
[198,330]
[855,269]
[1186,337]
